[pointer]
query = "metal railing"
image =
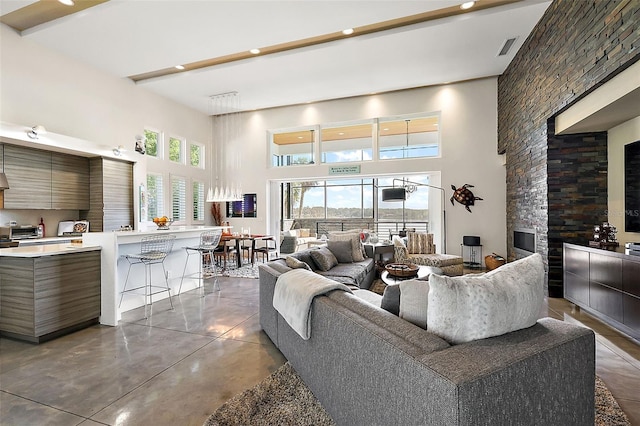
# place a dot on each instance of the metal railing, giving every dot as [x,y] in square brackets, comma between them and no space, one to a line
[384,229]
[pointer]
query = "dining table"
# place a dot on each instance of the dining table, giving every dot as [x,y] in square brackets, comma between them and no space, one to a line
[245,237]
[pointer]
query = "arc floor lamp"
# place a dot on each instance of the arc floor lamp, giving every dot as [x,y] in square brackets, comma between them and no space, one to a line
[400,193]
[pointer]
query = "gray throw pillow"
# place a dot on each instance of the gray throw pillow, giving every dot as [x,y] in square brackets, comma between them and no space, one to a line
[341,250]
[294,263]
[323,258]
[391,299]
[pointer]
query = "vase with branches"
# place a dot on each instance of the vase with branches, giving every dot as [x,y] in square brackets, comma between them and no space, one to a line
[216,213]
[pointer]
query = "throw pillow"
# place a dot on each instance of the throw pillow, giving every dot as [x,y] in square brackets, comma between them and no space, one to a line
[323,258]
[304,233]
[356,245]
[341,250]
[414,301]
[391,299]
[472,307]
[420,243]
[294,263]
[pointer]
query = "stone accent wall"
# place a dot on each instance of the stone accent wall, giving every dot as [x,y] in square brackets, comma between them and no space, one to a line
[577,46]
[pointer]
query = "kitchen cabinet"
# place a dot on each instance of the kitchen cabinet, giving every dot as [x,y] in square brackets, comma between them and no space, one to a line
[605,284]
[48,290]
[29,174]
[69,182]
[111,196]
[43,180]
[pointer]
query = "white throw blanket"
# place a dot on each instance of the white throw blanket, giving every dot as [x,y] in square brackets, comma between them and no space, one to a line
[294,293]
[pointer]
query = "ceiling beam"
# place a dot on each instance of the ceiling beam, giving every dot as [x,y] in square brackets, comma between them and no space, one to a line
[325,38]
[44,11]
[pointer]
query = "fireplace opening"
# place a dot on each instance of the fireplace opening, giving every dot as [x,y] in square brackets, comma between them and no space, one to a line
[524,241]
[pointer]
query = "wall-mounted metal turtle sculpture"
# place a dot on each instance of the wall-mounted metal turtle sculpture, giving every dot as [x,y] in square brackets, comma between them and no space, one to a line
[464,196]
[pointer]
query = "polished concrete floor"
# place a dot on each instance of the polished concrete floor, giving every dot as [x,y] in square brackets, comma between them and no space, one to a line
[178,366]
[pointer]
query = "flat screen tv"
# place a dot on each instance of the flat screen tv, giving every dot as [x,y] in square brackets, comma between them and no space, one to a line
[632,187]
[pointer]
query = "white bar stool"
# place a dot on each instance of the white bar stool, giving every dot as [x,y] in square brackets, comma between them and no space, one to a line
[154,249]
[209,241]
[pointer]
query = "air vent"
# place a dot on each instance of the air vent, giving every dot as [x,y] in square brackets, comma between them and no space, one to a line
[506,46]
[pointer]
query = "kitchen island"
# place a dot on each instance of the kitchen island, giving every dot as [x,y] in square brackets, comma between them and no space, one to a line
[48,290]
[116,244]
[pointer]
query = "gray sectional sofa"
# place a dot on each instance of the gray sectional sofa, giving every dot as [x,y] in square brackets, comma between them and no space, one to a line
[369,367]
[356,274]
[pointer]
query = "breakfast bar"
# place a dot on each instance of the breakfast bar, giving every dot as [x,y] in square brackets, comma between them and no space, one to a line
[48,290]
[114,268]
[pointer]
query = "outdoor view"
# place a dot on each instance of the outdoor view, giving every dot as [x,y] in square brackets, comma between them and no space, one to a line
[351,199]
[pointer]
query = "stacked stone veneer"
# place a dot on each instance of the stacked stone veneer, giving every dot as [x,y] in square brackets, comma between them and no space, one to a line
[557,185]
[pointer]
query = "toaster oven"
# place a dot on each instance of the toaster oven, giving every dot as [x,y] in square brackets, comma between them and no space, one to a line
[19,232]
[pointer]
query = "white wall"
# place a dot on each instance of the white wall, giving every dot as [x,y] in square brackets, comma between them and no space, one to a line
[618,137]
[468,135]
[98,111]
[86,110]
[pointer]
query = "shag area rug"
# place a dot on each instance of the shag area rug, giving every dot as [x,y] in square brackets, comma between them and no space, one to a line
[283,399]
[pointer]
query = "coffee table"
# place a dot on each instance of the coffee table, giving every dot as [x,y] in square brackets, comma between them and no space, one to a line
[423,274]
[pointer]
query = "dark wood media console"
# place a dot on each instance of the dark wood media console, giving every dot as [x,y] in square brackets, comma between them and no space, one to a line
[604,283]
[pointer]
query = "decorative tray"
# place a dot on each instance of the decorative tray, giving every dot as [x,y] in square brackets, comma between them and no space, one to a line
[402,270]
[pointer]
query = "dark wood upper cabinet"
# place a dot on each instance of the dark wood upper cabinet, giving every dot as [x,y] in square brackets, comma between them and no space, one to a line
[69,182]
[29,174]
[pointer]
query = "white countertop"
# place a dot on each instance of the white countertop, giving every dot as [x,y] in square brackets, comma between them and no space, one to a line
[172,229]
[47,240]
[45,250]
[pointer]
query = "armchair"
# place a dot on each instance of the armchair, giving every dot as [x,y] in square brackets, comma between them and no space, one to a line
[420,250]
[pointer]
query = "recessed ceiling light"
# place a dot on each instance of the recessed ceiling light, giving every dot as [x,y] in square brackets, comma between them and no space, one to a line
[67,2]
[255,51]
[180,67]
[348,31]
[341,133]
[467,5]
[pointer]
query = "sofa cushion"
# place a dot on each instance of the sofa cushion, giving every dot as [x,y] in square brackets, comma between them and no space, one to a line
[356,244]
[341,250]
[349,273]
[294,263]
[471,307]
[323,258]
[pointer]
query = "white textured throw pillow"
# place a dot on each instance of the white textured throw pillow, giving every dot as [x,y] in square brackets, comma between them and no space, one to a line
[472,307]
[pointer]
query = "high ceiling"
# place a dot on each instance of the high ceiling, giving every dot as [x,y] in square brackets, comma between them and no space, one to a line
[131,37]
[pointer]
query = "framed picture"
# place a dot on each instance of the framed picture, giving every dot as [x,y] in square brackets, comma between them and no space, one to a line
[247,207]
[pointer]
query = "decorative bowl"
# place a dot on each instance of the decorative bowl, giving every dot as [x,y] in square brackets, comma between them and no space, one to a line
[163,223]
[402,270]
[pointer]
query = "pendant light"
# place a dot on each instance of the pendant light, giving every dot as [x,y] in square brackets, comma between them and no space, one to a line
[224,155]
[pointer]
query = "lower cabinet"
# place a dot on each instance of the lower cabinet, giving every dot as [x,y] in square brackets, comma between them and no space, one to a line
[605,284]
[46,296]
